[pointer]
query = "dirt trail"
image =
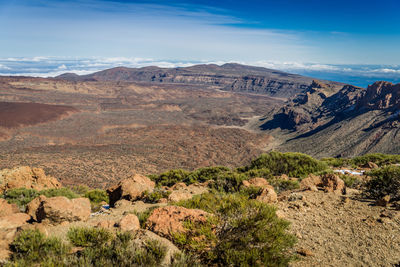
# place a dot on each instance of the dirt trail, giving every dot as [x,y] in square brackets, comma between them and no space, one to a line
[343,230]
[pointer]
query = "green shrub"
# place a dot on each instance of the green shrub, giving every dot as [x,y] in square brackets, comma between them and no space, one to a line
[143,216]
[88,237]
[243,232]
[384,181]
[155,196]
[170,178]
[292,164]
[351,181]
[57,192]
[96,195]
[20,196]
[283,185]
[377,158]
[337,162]
[229,182]
[32,247]
[80,189]
[263,173]
[205,174]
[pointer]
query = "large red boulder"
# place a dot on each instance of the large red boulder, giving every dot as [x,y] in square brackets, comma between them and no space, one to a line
[59,209]
[165,221]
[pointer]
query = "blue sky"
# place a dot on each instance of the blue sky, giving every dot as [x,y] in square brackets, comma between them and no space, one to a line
[310,32]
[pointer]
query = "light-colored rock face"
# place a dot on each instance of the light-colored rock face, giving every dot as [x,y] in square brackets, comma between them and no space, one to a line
[13,220]
[255,182]
[6,208]
[176,196]
[130,189]
[26,177]
[59,209]
[129,222]
[268,195]
[167,220]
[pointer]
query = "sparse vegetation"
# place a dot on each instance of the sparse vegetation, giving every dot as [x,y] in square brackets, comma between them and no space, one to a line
[243,232]
[384,181]
[155,196]
[22,196]
[31,247]
[292,164]
[143,216]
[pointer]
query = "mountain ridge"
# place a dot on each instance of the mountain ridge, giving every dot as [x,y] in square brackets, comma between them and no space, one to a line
[227,77]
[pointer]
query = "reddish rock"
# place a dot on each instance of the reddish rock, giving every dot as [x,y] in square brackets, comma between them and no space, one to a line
[268,195]
[33,206]
[59,209]
[167,220]
[371,165]
[130,189]
[332,183]
[256,182]
[129,222]
[26,177]
[13,220]
[310,183]
[7,209]
[106,224]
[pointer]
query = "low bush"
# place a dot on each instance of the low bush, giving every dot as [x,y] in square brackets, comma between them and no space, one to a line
[96,195]
[242,232]
[337,162]
[351,181]
[205,174]
[384,181]
[170,178]
[58,192]
[31,247]
[377,158]
[20,196]
[88,237]
[143,216]
[155,196]
[292,164]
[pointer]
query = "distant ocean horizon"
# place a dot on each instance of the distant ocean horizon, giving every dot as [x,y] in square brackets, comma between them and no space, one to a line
[359,75]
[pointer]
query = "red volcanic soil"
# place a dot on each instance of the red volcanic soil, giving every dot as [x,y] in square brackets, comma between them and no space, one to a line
[13,115]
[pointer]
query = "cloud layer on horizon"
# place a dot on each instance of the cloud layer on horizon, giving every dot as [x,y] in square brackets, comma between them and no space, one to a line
[361,75]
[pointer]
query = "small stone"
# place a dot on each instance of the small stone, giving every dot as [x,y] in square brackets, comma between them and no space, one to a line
[383,202]
[305,252]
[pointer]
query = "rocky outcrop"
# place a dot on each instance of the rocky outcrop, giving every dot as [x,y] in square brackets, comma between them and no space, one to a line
[255,182]
[228,77]
[130,189]
[268,195]
[60,209]
[180,191]
[13,220]
[6,208]
[168,220]
[129,222]
[33,206]
[327,182]
[26,177]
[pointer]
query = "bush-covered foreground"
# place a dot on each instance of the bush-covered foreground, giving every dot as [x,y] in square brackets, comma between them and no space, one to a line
[241,232]
[98,247]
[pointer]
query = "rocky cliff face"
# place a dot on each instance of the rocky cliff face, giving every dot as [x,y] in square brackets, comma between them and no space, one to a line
[349,122]
[228,77]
